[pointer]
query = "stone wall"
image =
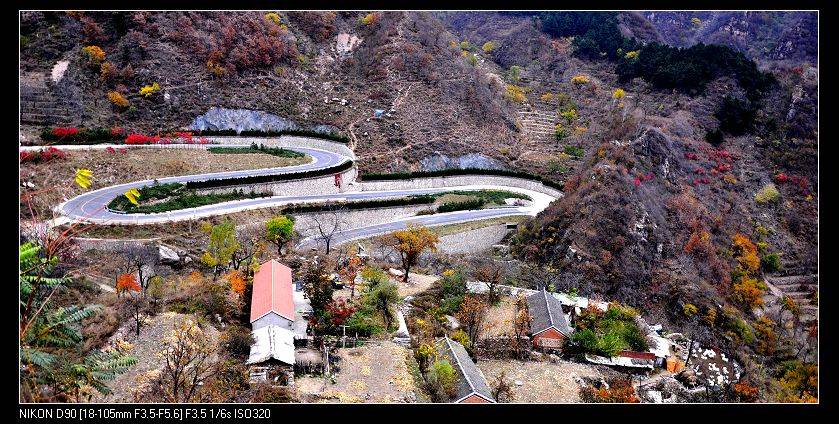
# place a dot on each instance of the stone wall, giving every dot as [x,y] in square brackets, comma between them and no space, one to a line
[459,180]
[473,241]
[111,245]
[300,187]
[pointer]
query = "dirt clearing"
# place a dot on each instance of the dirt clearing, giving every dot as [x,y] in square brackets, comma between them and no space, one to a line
[375,373]
[542,382]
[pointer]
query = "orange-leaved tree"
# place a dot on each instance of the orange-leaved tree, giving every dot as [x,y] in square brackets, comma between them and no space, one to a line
[127,282]
[237,282]
[411,242]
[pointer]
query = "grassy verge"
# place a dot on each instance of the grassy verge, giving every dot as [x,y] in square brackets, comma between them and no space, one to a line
[470,200]
[175,196]
[461,206]
[274,151]
[361,204]
[147,193]
[257,179]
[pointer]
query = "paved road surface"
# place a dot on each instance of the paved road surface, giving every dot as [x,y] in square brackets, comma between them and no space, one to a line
[92,206]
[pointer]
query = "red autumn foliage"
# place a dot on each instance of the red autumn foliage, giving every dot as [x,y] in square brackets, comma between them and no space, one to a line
[110,149]
[185,135]
[45,155]
[691,156]
[339,311]
[135,138]
[117,131]
[127,282]
[803,183]
[62,132]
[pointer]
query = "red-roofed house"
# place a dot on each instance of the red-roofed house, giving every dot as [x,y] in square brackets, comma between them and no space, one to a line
[272,302]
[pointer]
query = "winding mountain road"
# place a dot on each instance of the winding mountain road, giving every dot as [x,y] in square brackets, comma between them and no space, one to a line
[92,207]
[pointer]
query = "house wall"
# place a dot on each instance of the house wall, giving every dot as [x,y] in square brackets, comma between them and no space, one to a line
[548,338]
[474,399]
[272,319]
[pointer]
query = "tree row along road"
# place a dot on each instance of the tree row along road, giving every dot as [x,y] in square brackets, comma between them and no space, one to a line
[91,207]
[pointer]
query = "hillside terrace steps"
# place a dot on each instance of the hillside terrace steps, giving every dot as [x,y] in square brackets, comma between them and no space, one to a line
[537,124]
[799,288]
[39,105]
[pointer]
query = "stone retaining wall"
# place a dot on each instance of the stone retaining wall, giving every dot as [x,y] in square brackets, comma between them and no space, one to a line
[473,241]
[111,245]
[459,180]
[299,187]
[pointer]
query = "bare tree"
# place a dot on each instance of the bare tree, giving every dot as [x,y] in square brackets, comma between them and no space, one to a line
[141,259]
[328,223]
[521,326]
[139,306]
[187,353]
[490,272]
[502,391]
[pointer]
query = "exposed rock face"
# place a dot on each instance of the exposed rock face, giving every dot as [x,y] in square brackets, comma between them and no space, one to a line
[440,161]
[218,118]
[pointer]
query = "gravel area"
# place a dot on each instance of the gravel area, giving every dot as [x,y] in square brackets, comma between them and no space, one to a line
[542,382]
[374,373]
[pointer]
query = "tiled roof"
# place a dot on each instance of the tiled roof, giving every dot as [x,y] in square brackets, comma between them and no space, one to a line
[470,378]
[272,291]
[546,311]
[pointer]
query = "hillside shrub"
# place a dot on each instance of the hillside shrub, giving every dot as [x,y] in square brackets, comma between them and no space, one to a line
[94,55]
[371,18]
[148,90]
[575,151]
[771,262]
[579,80]
[515,93]
[273,17]
[118,100]
[619,390]
[73,135]
[769,193]
[748,292]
